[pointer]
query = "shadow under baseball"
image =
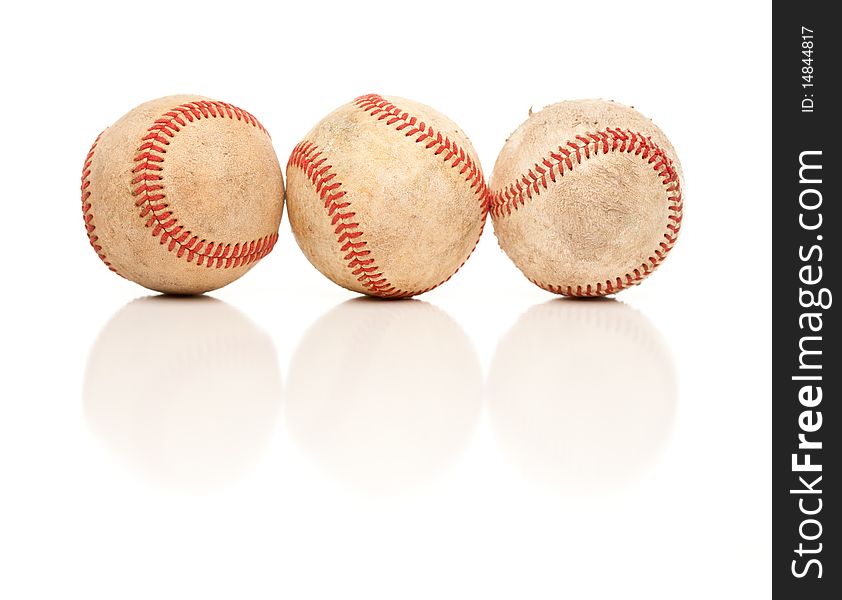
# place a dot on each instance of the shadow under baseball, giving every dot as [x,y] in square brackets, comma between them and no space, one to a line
[582,395]
[384,395]
[185,390]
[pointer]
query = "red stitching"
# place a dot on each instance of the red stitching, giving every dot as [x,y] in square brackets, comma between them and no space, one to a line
[377,106]
[564,158]
[151,199]
[307,157]
[87,215]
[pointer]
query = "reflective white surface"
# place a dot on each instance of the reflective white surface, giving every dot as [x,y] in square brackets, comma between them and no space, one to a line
[160,449]
[205,390]
[582,394]
[384,396]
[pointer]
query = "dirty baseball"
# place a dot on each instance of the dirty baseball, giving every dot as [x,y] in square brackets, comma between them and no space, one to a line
[586,198]
[183,194]
[386,197]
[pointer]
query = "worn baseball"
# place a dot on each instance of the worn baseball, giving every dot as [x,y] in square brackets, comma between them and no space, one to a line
[586,197]
[183,194]
[386,197]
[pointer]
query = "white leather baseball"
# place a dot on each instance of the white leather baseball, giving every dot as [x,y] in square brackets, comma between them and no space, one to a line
[386,197]
[183,194]
[586,197]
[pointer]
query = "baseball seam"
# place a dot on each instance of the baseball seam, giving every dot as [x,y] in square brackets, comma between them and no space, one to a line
[151,199]
[87,214]
[377,106]
[587,145]
[307,157]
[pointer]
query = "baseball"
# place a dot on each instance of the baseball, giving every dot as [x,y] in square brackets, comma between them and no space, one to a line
[586,198]
[183,194]
[386,197]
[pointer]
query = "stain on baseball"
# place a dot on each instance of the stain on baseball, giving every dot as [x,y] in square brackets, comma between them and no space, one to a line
[586,197]
[386,196]
[183,194]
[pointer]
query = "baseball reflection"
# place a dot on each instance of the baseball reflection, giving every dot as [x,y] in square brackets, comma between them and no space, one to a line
[582,394]
[186,390]
[384,395]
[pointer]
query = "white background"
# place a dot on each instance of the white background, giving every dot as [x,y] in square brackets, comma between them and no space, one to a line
[287,441]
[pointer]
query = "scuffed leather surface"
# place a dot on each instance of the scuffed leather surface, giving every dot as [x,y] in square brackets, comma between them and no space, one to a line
[602,219]
[419,217]
[221,179]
